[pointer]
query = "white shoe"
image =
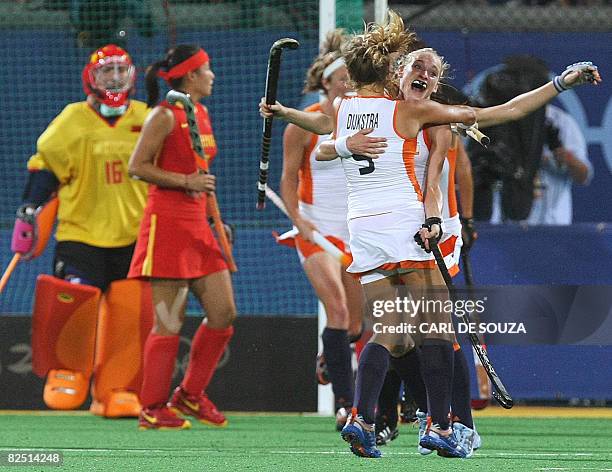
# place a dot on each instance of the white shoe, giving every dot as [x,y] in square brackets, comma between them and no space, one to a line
[477,441]
[341,417]
[467,438]
[422,418]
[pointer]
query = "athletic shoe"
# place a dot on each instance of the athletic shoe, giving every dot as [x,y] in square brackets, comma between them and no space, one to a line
[408,408]
[447,446]
[161,418]
[360,436]
[477,441]
[321,370]
[65,389]
[386,435]
[341,417]
[120,404]
[422,419]
[465,437]
[198,406]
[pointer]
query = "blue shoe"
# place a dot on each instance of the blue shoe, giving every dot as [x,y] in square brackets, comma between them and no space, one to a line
[467,438]
[447,446]
[422,419]
[360,436]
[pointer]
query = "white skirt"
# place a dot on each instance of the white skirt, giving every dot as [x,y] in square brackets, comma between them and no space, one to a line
[385,238]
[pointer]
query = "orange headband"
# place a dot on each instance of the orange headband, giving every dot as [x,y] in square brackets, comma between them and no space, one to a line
[187,65]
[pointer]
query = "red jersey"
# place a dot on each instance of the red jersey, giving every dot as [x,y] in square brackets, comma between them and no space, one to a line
[175,240]
[178,156]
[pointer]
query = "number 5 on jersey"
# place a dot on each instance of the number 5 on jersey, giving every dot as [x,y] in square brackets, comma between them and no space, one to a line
[365,170]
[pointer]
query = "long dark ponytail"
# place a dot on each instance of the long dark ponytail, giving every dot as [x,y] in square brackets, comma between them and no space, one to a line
[174,56]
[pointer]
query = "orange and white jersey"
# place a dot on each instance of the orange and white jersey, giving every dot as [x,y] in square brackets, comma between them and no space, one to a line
[451,243]
[389,182]
[447,177]
[385,203]
[322,190]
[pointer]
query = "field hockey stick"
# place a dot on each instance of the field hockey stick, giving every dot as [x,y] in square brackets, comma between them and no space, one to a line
[274,60]
[9,270]
[202,160]
[478,136]
[482,380]
[473,133]
[467,268]
[318,238]
[500,394]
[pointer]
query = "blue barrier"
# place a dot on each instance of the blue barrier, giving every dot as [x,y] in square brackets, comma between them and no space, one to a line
[270,281]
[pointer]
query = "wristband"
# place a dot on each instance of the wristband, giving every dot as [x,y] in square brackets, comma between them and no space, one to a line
[341,148]
[432,220]
[559,84]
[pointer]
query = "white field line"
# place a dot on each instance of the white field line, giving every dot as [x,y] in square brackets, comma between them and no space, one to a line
[298,452]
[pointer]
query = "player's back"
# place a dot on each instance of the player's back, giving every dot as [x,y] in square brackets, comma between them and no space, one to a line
[389,182]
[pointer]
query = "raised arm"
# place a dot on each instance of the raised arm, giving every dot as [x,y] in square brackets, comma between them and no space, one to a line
[315,122]
[414,114]
[524,104]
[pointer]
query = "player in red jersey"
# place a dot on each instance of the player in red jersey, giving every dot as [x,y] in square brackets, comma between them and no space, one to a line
[176,249]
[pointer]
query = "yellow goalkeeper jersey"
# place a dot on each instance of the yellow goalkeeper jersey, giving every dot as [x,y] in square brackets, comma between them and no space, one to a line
[99,204]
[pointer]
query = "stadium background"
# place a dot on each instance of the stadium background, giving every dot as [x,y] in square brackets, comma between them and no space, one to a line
[44,45]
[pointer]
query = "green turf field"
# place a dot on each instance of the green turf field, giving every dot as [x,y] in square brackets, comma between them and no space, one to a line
[291,442]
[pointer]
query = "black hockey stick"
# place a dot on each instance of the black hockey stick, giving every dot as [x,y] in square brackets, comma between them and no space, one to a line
[173,97]
[482,380]
[500,394]
[274,61]
[467,268]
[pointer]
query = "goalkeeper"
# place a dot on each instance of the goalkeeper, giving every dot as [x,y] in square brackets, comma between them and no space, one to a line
[82,325]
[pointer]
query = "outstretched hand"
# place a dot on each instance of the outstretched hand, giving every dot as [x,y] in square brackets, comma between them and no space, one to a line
[362,144]
[577,74]
[269,111]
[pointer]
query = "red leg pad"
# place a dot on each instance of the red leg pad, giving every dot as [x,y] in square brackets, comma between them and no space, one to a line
[63,326]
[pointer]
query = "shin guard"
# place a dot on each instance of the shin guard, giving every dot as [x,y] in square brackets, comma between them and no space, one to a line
[63,326]
[63,336]
[125,320]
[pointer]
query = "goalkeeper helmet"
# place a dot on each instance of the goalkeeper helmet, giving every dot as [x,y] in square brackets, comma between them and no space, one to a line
[110,76]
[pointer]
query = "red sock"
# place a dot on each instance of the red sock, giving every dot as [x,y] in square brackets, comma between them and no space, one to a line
[159,358]
[206,350]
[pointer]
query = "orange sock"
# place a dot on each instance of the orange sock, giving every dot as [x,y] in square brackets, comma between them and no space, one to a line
[206,350]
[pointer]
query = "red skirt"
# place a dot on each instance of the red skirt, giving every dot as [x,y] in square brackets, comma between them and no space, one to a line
[175,247]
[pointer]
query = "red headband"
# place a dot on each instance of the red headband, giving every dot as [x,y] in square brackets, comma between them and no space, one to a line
[187,65]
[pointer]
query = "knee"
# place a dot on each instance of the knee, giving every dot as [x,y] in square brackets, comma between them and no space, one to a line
[222,318]
[167,327]
[337,314]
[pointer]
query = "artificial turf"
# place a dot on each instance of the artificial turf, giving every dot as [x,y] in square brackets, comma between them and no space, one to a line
[277,442]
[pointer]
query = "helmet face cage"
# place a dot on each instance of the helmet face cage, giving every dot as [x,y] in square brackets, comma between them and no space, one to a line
[110,75]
